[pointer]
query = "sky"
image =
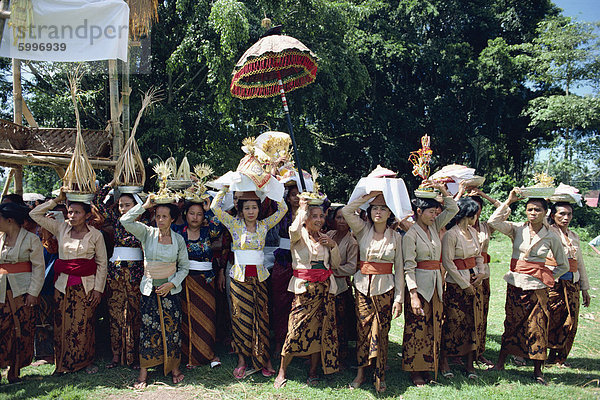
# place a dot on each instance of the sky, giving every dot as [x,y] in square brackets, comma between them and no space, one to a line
[585,10]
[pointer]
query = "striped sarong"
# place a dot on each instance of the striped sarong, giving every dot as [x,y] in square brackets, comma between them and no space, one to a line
[250,320]
[199,316]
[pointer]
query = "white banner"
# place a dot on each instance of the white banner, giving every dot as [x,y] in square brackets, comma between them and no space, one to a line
[71,30]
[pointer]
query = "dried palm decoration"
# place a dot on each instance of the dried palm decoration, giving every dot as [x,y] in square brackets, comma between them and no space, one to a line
[130,169]
[171,164]
[163,172]
[314,197]
[183,172]
[79,176]
[142,13]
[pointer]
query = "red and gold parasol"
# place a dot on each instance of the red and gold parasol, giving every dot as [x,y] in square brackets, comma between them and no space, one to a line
[274,65]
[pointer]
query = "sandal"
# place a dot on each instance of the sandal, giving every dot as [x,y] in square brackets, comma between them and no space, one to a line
[215,364]
[267,373]
[239,372]
[472,375]
[278,384]
[447,374]
[540,380]
[312,381]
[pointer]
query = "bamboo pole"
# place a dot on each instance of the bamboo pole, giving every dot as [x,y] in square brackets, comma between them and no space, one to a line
[7,183]
[125,92]
[21,158]
[113,84]
[17,116]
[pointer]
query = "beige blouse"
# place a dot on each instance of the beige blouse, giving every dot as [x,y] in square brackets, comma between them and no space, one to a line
[534,249]
[348,248]
[91,246]
[386,250]
[304,250]
[456,246]
[27,248]
[416,246]
[572,248]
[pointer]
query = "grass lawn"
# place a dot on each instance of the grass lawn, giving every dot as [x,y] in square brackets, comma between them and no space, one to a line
[579,382]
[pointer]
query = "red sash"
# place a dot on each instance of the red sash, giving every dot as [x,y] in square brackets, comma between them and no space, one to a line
[313,275]
[16,268]
[486,257]
[466,263]
[77,267]
[551,262]
[430,265]
[250,270]
[537,269]
[376,268]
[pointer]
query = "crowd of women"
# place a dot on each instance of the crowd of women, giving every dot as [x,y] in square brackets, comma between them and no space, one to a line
[309,275]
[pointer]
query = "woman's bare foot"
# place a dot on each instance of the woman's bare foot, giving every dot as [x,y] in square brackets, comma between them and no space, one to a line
[177,376]
[141,381]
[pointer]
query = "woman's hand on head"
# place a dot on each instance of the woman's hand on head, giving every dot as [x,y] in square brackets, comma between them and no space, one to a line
[62,196]
[149,203]
[514,195]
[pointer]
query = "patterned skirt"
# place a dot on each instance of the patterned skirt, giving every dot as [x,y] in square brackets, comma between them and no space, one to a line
[16,333]
[422,335]
[563,303]
[526,324]
[74,330]
[462,315]
[312,327]
[374,319]
[250,320]
[123,298]
[282,298]
[160,340]
[484,296]
[198,323]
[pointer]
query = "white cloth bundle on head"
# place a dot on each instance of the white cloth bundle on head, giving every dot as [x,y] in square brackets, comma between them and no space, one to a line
[394,192]
[566,190]
[239,182]
[455,171]
[227,200]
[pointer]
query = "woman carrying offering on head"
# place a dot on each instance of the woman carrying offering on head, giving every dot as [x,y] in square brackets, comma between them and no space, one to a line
[563,297]
[379,284]
[312,324]
[527,314]
[282,270]
[79,280]
[249,314]
[463,263]
[199,303]
[166,265]
[125,271]
[344,300]
[21,280]
[422,251]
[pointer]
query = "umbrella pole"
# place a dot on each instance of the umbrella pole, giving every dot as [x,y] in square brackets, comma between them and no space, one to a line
[291,129]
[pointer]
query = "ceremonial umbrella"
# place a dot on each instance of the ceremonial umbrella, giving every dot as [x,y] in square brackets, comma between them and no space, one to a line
[274,65]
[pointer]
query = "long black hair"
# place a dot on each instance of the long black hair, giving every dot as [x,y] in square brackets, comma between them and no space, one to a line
[467,208]
[17,212]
